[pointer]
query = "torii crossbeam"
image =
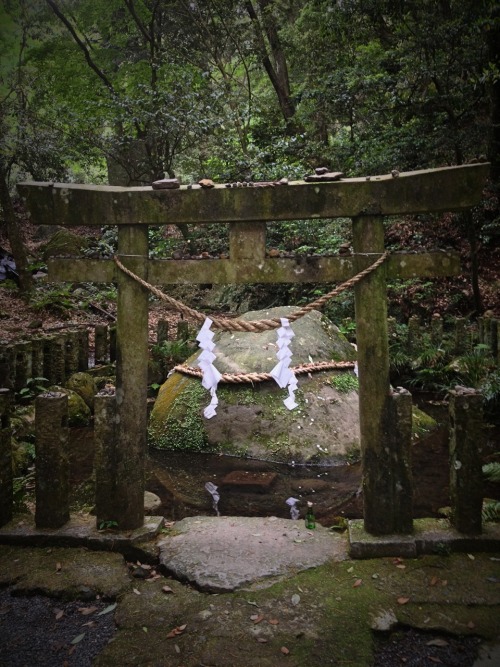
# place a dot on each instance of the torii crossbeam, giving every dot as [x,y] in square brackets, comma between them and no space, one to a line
[247,210]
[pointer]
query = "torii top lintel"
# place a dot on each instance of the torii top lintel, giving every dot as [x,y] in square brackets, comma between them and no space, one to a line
[432,190]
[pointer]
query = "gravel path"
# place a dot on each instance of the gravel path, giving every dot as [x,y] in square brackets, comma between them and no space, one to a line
[38,631]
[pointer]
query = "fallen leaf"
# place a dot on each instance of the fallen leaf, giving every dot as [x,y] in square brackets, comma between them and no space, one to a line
[177,649]
[397,561]
[471,625]
[78,638]
[134,590]
[144,628]
[85,611]
[273,621]
[167,589]
[108,609]
[403,600]
[261,640]
[433,658]
[252,603]
[401,566]
[357,583]
[437,642]
[295,599]
[59,614]
[471,557]
[351,569]
[285,650]
[90,624]
[444,582]
[58,567]
[257,618]
[177,631]
[434,581]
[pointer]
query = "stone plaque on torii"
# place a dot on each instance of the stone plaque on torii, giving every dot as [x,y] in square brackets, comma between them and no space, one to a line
[247,210]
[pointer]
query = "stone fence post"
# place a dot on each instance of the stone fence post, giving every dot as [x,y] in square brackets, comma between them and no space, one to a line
[52,462]
[106,459]
[466,476]
[398,433]
[101,344]
[6,477]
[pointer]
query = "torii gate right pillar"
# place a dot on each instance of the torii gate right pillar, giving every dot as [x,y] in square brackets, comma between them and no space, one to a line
[385,442]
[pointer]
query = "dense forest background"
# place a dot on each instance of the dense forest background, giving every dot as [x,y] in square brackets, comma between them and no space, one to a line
[128,91]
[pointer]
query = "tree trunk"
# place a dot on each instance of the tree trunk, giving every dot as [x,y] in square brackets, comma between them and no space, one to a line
[273,60]
[14,235]
[493,41]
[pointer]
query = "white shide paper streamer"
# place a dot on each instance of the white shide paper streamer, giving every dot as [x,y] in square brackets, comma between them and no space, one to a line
[211,375]
[282,373]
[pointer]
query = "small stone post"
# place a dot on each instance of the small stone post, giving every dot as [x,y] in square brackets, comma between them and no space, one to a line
[112,344]
[7,366]
[494,340]
[461,340]
[54,354]
[52,463]
[101,344]
[436,328]
[83,350]
[162,332]
[23,364]
[106,458]
[397,435]
[182,330]
[37,357]
[466,477]
[413,334]
[6,477]
[72,353]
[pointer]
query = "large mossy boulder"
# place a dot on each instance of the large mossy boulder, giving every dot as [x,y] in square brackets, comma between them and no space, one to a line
[64,243]
[251,419]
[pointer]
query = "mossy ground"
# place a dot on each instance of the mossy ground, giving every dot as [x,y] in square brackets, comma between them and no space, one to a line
[328,624]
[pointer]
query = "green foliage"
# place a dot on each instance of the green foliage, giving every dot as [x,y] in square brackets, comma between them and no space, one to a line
[108,525]
[432,365]
[57,300]
[491,471]
[491,511]
[172,352]
[344,383]
[34,386]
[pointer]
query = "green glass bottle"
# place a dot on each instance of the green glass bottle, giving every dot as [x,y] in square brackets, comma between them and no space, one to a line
[310,519]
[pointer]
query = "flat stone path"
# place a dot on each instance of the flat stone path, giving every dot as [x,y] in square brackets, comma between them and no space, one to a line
[222,554]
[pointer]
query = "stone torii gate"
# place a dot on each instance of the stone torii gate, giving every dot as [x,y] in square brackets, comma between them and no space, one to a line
[387,484]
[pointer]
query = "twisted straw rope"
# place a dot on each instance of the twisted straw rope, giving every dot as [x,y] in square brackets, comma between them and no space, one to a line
[257,325]
[240,378]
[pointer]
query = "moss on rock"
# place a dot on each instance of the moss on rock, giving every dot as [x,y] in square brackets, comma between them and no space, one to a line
[85,386]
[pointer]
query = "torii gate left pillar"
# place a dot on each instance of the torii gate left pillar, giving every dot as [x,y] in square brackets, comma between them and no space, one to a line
[366,201]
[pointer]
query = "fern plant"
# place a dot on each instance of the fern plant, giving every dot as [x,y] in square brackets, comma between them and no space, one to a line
[491,509]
